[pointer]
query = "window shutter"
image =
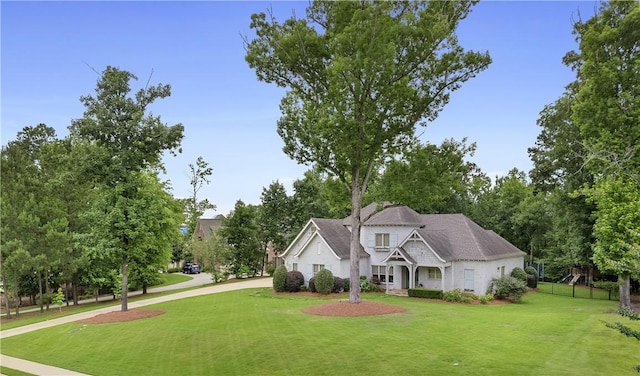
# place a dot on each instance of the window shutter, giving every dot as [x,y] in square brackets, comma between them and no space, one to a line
[371,240]
[393,240]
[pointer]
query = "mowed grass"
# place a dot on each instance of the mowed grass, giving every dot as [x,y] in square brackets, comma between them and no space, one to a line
[577,291]
[253,332]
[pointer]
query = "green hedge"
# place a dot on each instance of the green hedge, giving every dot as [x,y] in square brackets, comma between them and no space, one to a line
[425,293]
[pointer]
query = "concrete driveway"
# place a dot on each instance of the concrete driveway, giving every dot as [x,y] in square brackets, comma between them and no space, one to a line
[42,369]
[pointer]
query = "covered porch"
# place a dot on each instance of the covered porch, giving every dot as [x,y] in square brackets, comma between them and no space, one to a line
[408,274]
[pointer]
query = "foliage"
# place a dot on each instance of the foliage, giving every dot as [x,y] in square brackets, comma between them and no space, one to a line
[346,282]
[199,175]
[129,144]
[531,270]
[293,281]
[518,273]
[509,288]
[312,284]
[368,286]
[629,313]
[338,285]
[458,296]
[532,281]
[242,233]
[219,276]
[280,278]
[274,216]
[58,298]
[270,268]
[425,293]
[627,331]
[359,77]
[441,178]
[609,286]
[486,298]
[324,281]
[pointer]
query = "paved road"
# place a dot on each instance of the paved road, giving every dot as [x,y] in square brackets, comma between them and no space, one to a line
[41,369]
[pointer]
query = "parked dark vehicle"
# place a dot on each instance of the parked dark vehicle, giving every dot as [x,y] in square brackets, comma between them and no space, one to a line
[190,268]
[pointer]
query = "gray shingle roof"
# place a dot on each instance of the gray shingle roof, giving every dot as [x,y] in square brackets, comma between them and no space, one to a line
[367,212]
[456,237]
[396,215]
[204,226]
[337,236]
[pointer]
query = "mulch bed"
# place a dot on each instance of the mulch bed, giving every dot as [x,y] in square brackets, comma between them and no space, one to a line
[344,308]
[119,316]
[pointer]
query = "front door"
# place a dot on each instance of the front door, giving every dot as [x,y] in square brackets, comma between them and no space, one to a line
[468,279]
[405,277]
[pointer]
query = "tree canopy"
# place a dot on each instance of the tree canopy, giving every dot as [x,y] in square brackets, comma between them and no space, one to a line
[359,77]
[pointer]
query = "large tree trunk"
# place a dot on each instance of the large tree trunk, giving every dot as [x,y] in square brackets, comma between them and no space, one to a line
[125,282]
[354,270]
[46,287]
[625,290]
[41,293]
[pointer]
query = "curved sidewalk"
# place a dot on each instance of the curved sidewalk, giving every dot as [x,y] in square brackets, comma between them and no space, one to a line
[41,369]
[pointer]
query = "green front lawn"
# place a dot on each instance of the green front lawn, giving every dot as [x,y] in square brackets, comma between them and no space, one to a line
[252,332]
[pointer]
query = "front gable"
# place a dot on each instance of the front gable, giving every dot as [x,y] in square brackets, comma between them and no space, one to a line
[421,251]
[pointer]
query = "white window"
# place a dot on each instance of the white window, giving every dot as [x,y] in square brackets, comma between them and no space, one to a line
[378,271]
[469,279]
[382,240]
[295,266]
[317,268]
[434,273]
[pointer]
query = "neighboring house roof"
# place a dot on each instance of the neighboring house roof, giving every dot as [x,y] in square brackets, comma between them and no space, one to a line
[456,237]
[337,236]
[206,225]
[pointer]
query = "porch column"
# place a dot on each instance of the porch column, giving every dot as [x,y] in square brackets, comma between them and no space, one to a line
[441,277]
[386,275]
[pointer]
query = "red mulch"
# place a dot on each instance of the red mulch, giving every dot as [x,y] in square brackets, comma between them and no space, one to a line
[344,308]
[119,316]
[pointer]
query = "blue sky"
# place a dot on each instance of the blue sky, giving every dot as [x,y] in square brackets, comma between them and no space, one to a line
[229,116]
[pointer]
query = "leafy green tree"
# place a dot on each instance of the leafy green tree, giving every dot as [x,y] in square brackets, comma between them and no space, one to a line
[130,141]
[274,216]
[617,231]
[214,253]
[429,178]
[242,233]
[360,76]
[307,201]
[194,207]
[607,109]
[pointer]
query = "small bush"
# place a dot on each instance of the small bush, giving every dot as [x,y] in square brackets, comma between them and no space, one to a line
[531,270]
[280,278]
[304,288]
[532,281]
[293,281]
[609,286]
[312,284]
[368,286]
[484,299]
[324,281]
[218,277]
[459,296]
[270,268]
[629,313]
[346,284]
[425,293]
[518,273]
[509,288]
[338,285]
[375,280]
[174,270]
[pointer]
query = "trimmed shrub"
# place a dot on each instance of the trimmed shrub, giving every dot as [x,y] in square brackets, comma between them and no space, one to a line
[304,288]
[324,281]
[425,293]
[294,280]
[518,273]
[338,285]
[531,270]
[459,296]
[280,278]
[312,284]
[532,281]
[346,284]
[509,288]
